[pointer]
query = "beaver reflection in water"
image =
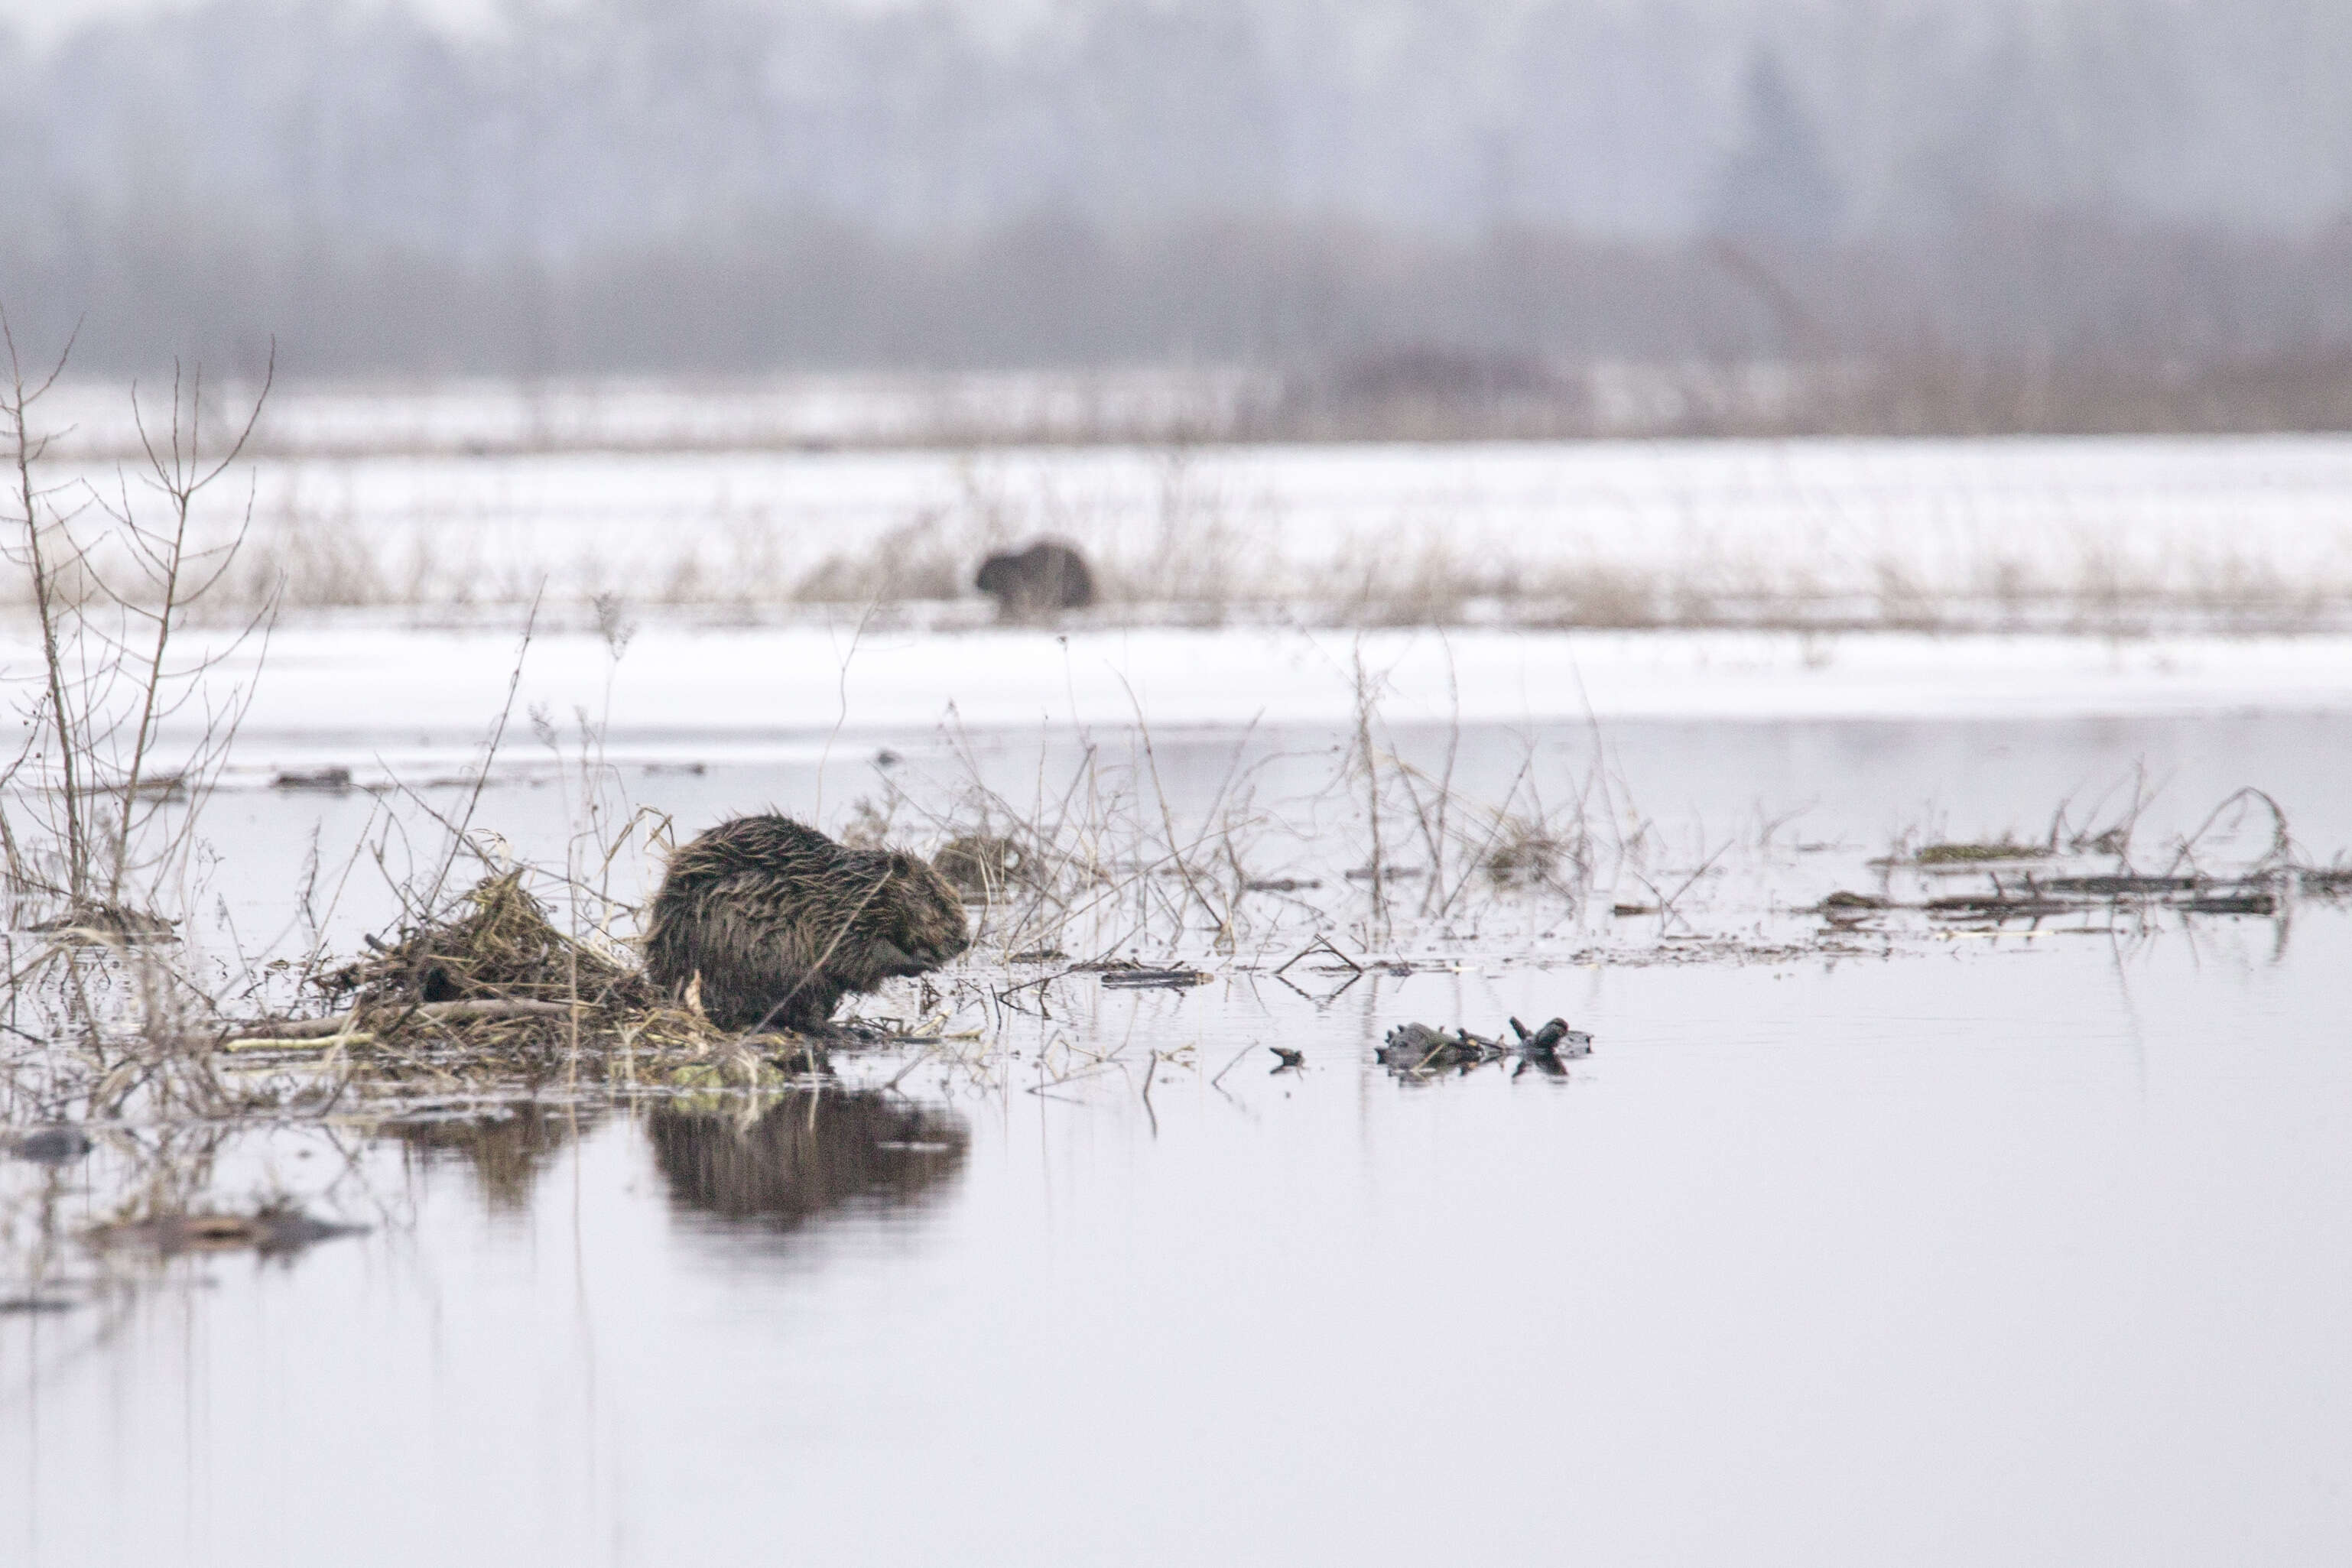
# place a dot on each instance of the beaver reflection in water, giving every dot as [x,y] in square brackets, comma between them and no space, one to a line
[778,922]
[810,1153]
[1035,583]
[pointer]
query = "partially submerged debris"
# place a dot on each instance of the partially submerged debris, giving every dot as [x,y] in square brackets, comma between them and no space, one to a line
[1415,1049]
[2002,849]
[91,922]
[2121,885]
[345,1025]
[1322,944]
[2040,898]
[1999,906]
[268,1231]
[1555,1039]
[327,781]
[2262,902]
[1138,979]
[1846,909]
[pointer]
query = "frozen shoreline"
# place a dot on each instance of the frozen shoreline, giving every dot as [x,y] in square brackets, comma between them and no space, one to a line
[363,695]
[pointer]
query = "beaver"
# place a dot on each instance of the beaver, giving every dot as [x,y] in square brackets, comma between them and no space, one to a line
[1035,582]
[778,922]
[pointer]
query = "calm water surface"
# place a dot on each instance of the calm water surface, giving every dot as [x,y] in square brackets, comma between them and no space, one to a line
[2017,1250]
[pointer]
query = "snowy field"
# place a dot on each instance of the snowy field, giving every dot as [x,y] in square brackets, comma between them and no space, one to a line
[735,597]
[2113,536]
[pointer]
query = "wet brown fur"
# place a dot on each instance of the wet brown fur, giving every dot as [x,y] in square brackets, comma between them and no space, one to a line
[779,922]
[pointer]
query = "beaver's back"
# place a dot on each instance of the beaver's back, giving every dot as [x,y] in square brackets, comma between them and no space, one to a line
[778,922]
[769,846]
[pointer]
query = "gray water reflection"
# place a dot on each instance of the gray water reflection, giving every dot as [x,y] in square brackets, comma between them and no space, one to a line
[505,1149]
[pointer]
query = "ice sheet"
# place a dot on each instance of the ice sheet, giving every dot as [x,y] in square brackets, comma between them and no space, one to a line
[363,692]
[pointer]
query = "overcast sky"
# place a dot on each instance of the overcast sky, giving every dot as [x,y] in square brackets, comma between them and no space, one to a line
[43,20]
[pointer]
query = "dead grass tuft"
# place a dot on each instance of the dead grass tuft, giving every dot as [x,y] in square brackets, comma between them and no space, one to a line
[918,560]
[502,947]
[1527,853]
[984,866]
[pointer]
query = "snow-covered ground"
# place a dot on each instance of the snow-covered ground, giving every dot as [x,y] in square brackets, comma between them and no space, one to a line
[779,595]
[2131,535]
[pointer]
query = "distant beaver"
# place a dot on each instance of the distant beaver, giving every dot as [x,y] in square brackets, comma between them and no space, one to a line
[1035,582]
[781,922]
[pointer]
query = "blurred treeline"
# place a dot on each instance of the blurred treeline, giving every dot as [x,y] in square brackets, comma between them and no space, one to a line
[1930,213]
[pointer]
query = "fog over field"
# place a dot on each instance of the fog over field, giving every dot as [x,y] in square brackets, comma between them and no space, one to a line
[2026,213]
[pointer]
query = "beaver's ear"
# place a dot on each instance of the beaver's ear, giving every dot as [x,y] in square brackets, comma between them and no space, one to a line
[900,862]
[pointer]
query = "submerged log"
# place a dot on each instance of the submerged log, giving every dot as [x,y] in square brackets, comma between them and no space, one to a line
[1163,979]
[469,1010]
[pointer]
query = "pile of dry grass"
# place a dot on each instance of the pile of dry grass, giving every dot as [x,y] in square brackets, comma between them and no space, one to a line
[1525,854]
[984,866]
[501,946]
[495,986]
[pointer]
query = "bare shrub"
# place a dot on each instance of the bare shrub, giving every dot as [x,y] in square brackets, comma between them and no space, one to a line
[1595,594]
[304,560]
[115,581]
[917,560]
[1527,853]
[98,811]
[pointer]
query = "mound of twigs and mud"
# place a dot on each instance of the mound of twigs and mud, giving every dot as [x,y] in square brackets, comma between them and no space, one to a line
[499,949]
[494,982]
